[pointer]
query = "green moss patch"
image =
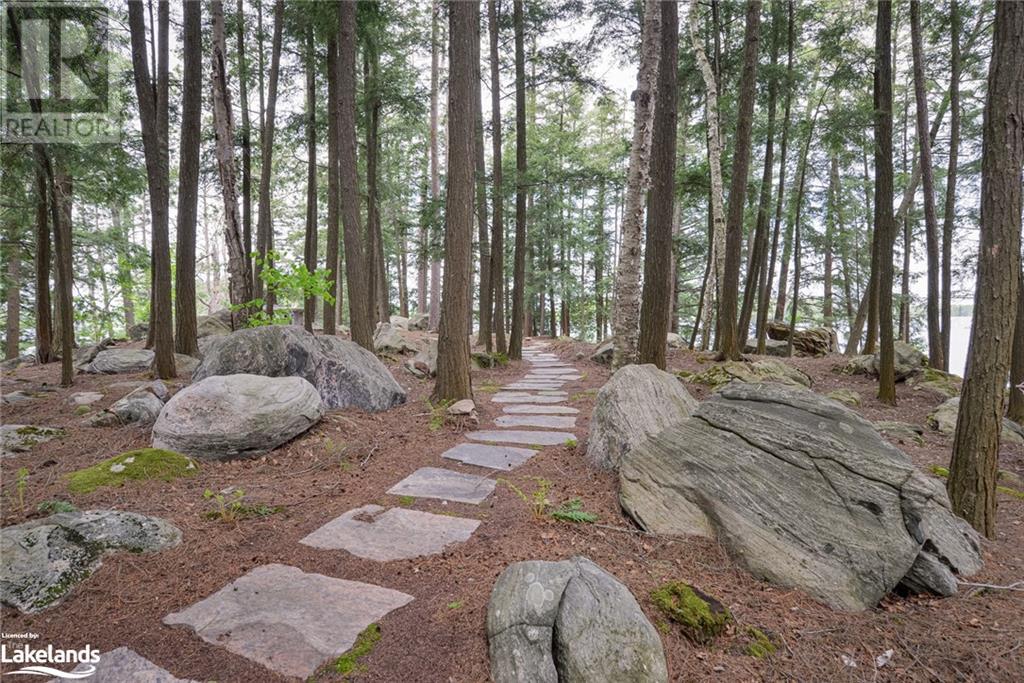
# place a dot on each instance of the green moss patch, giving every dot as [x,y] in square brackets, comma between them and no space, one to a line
[702,617]
[760,645]
[365,642]
[145,463]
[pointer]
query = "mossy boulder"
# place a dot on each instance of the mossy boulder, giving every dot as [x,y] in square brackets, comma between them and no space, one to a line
[15,439]
[847,396]
[940,382]
[757,372]
[702,617]
[142,464]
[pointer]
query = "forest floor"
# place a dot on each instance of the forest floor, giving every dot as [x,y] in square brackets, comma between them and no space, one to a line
[351,458]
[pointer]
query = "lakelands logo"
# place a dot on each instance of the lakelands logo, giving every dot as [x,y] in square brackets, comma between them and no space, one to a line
[39,659]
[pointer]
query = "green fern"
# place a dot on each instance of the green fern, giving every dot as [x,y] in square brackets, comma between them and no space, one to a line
[572,511]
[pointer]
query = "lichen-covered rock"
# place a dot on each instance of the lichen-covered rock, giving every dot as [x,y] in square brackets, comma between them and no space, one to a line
[391,339]
[15,363]
[237,416]
[772,347]
[42,560]
[942,383]
[424,363]
[141,406]
[116,361]
[944,418]
[908,362]
[212,326]
[345,374]
[603,353]
[15,439]
[138,331]
[847,396]
[85,354]
[763,370]
[903,432]
[800,490]
[184,365]
[814,341]
[419,321]
[638,400]
[569,621]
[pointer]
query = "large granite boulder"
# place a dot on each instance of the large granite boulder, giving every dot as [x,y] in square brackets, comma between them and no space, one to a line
[84,355]
[42,560]
[908,362]
[804,493]
[762,370]
[569,621]
[934,380]
[419,321]
[944,418]
[117,361]
[638,401]
[399,322]
[424,363]
[346,375]
[389,338]
[237,416]
[603,353]
[772,347]
[15,439]
[212,326]
[140,406]
[814,341]
[138,331]
[674,341]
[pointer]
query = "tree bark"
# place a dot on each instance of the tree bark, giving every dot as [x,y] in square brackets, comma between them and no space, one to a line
[240,286]
[360,287]
[378,303]
[264,225]
[1015,411]
[453,381]
[497,222]
[188,182]
[243,95]
[486,286]
[884,223]
[435,174]
[515,347]
[12,328]
[44,321]
[974,465]
[626,307]
[153,117]
[60,218]
[333,186]
[729,342]
[949,206]
[309,246]
[656,302]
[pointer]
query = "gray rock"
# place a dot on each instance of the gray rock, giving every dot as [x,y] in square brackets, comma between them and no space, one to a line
[15,363]
[138,331]
[237,416]
[904,432]
[141,406]
[529,409]
[908,362]
[761,370]
[85,398]
[801,491]
[847,396]
[116,361]
[638,400]
[674,341]
[545,421]
[390,339]
[17,396]
[85,355]
[814,341]
[184,365]
[772,347]
[462,408]
[400,322]
[287,620]
[523,397]
[603,353]
[489,455]
[527,437]
[123,664]
[345,374]
[424,363]
[375,533]
[944,418]
[42,560]
[569,621]
[420,321]
[15,439]
[442,484]
[212,326]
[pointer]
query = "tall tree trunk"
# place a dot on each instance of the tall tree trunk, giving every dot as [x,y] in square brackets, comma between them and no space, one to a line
[188,182]
[729,342]
[424,241]
[486,286]
[153,115]
[656,303]
[360,287]
[973,468]
[453,381]
[60,218]
[265,225]
[626,307]
[515,347]
[240,286]
[497,222]
[243,95]
[44,321]
[599,259]
[1015,411]
[716,249]
[949,206]
[333,187]
[830,233]
[374,243]
[884,223]
[309,246]
[863,312]
[765,292]
[436,48]
[759,250]
[12,328]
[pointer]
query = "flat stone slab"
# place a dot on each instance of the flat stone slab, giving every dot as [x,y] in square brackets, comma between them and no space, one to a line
[84,398]
[533,438]
[376,533]
[552,392]
[485,455]
[124,664]
[551,370]
[532,409]
[435,482]
[287,620]
[549,421]
[529,386]
[522,397]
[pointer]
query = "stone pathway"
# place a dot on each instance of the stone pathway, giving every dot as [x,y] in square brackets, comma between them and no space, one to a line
[293,622]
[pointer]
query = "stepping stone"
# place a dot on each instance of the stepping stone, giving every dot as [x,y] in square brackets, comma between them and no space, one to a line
[522,436]
[552,370]
[123,664]
[521,397]
[494,457]
[376,533]
[530,409]
[287,620]
[84,398]
[527,386]
[552,392]
[434,482]
[549,421]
